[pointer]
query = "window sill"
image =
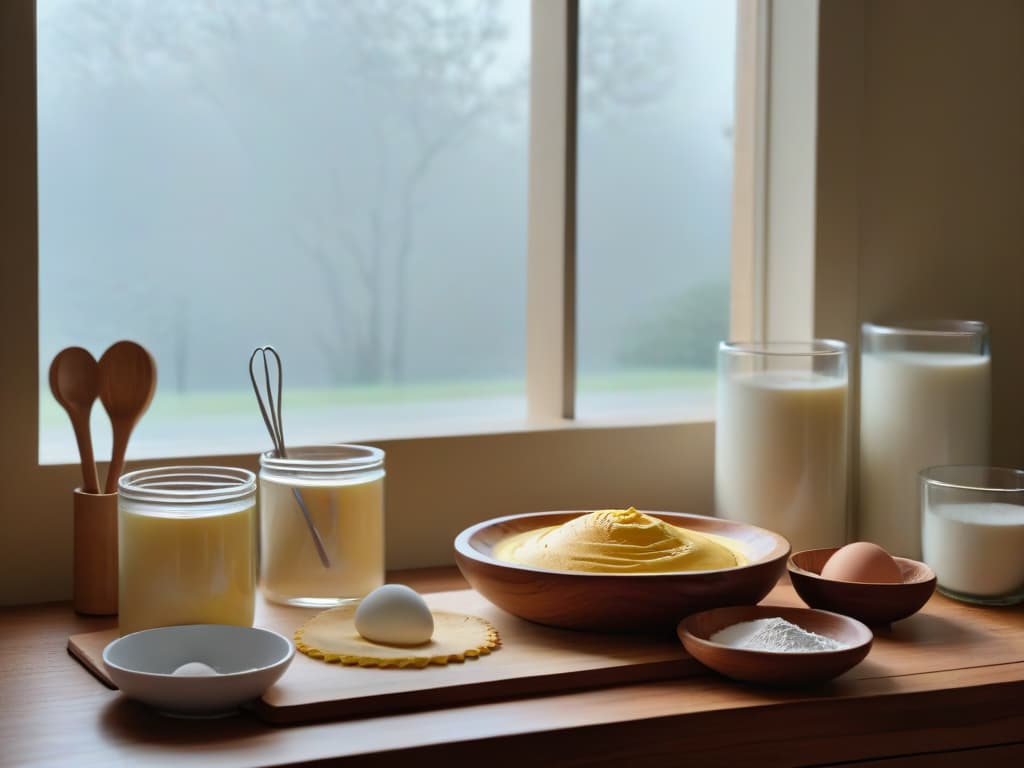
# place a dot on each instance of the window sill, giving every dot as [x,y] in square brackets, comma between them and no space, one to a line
[243,433]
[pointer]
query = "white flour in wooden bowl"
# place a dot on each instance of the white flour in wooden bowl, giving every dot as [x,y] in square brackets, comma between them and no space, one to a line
[775,634]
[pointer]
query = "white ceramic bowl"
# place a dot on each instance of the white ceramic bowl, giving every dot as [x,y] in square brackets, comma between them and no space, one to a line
[247,661]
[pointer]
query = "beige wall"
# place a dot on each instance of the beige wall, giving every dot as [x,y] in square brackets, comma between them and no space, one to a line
[921,176]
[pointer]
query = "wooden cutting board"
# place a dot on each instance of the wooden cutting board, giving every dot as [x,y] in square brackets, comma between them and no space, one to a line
[532,660]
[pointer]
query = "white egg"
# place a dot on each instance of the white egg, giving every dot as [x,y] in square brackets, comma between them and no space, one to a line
[394,615]
[195,669]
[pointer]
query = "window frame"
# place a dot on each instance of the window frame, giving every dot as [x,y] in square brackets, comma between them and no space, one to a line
[436,485]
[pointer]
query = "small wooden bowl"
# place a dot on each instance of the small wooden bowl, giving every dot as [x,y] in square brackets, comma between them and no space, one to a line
[782,668]
[647,602]
[871,603]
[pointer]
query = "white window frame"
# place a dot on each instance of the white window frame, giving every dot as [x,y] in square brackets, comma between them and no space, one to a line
[436,486]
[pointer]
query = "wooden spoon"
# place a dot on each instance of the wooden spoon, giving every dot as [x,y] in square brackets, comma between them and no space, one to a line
[75,385]
[127,380]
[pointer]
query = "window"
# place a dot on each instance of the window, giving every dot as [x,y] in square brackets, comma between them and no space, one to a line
[347,181]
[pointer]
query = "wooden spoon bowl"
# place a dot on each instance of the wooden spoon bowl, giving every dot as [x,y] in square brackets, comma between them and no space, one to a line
[871,603]
[782,668]
[74,381]
[127,381]
[645,602]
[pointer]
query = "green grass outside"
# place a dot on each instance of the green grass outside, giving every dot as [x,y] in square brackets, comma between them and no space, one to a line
[170,404]
[699,379]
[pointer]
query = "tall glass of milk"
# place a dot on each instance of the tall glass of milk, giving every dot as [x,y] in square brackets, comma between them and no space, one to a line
[338,492]
[925,400]
[781,439]
[973,532]
[186,547]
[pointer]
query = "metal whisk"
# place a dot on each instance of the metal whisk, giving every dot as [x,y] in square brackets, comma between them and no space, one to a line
[271,411]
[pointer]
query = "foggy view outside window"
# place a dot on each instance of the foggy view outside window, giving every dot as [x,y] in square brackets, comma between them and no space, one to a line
[347,181]
[654,206]
[343,180]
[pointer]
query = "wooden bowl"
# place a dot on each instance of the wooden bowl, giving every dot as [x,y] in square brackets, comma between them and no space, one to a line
[650,602]
[775,667]
[871,603]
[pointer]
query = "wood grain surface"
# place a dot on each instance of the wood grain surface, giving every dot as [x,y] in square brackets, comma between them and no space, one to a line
[532,659]
[943,684]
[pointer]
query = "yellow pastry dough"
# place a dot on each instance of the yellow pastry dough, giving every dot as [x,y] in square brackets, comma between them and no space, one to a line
[619,541]
[331,636]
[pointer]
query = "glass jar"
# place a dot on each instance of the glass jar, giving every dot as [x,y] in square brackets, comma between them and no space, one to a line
[321,524]
[186,547]
[925,400]
[973,532]
[781,439]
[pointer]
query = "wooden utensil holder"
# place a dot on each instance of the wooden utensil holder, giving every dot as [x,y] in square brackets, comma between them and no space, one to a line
[95,553]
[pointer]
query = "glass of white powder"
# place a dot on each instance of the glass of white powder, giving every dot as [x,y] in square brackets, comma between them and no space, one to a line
[973,532]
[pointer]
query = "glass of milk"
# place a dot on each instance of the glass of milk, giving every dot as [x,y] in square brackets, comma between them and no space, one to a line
[341,488]
[973,532]
[781,439]
[925,400]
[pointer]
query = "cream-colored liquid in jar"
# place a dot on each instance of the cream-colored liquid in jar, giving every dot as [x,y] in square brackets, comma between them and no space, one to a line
[976,548]
[188,567]
[780,456]
[350,520]
[917,410]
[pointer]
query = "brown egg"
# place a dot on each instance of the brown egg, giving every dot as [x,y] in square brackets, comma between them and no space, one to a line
[862,561]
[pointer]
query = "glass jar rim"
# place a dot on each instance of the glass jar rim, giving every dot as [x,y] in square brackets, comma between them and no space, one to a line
[184,485]
[812,348]
[964,477]
[940,327]
[331,458]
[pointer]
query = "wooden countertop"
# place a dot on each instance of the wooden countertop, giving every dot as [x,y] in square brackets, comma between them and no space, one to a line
[53,712]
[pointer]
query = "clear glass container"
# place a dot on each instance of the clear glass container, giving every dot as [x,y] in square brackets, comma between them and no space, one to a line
[321,524]
[925,400]
[781,439]
[972,532]
[186,547]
